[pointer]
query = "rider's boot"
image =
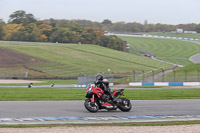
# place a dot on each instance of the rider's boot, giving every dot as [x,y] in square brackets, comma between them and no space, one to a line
[106,102]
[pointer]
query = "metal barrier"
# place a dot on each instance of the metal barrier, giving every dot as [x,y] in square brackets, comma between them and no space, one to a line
[171,75]
[87,79]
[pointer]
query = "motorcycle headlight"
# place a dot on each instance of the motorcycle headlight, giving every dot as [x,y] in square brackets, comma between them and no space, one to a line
[88,89]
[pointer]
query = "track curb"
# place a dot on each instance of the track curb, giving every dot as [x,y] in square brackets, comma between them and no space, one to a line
[96,120]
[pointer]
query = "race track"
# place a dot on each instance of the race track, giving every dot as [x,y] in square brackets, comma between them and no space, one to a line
[30,109]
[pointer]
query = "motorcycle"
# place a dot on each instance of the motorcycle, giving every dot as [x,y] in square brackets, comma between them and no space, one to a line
[94,100]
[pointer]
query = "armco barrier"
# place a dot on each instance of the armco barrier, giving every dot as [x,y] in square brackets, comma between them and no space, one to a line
[164,84]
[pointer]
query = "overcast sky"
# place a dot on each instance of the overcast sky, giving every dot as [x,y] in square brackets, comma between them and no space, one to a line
[154,11]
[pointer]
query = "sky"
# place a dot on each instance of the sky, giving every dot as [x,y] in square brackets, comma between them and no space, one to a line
[154,11]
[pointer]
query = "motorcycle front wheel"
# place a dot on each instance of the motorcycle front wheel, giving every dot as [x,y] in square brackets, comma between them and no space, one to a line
[125,106]
[91,106]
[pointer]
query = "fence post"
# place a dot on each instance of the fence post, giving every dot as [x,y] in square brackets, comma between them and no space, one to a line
[26,74]
[163,77]
[153,75]
[185,75]
[112,77]
[133,76]
[142,76]
[174,75]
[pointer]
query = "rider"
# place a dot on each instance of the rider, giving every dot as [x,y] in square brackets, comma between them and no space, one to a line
[104,85]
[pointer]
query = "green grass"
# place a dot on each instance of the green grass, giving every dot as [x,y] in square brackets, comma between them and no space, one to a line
[188,73]
[170,123]
[67,60]
[185,35]
[191,68]
[38,94]
[163,94]
[58,82]
[174,51]
[47,82]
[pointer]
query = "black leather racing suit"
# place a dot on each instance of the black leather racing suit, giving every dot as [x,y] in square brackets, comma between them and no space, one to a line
[104,85]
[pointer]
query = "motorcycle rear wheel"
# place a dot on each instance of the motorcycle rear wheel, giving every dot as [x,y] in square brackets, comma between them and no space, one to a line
[91,106]
[125,106]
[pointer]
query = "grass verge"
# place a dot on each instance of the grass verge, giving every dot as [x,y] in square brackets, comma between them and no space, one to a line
[107,124]
[49,93]
[46,82]
[70,60]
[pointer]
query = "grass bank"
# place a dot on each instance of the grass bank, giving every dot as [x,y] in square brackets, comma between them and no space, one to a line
[174,51]
[70,60]
[46,82]
[37,94]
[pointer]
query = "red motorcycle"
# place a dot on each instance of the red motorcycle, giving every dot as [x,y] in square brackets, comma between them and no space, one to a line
[94,100]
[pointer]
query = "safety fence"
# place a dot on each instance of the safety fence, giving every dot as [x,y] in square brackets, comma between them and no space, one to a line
[14,74]
[169,76]
[158,75]
[164,75]
[90,79]
[169,37]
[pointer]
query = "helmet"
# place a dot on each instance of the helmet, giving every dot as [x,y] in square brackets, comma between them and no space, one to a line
[99,76]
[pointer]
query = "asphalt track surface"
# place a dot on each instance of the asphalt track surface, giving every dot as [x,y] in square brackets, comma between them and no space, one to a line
[31,109]
[195,58]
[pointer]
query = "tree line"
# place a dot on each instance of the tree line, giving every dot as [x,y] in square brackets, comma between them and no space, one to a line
[24,27]
[108,25]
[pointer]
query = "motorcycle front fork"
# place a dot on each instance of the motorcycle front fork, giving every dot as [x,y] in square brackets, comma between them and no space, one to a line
[92,99]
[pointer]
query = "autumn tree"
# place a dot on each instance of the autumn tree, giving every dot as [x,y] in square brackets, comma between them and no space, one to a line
[52,22]
[32,32]
[60,35]
[20,16]
[198,28]
[46,30]
[107,22]
[1,28]
[9,29]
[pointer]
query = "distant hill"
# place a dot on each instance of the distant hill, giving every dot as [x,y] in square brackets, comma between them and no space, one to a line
[67,60]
